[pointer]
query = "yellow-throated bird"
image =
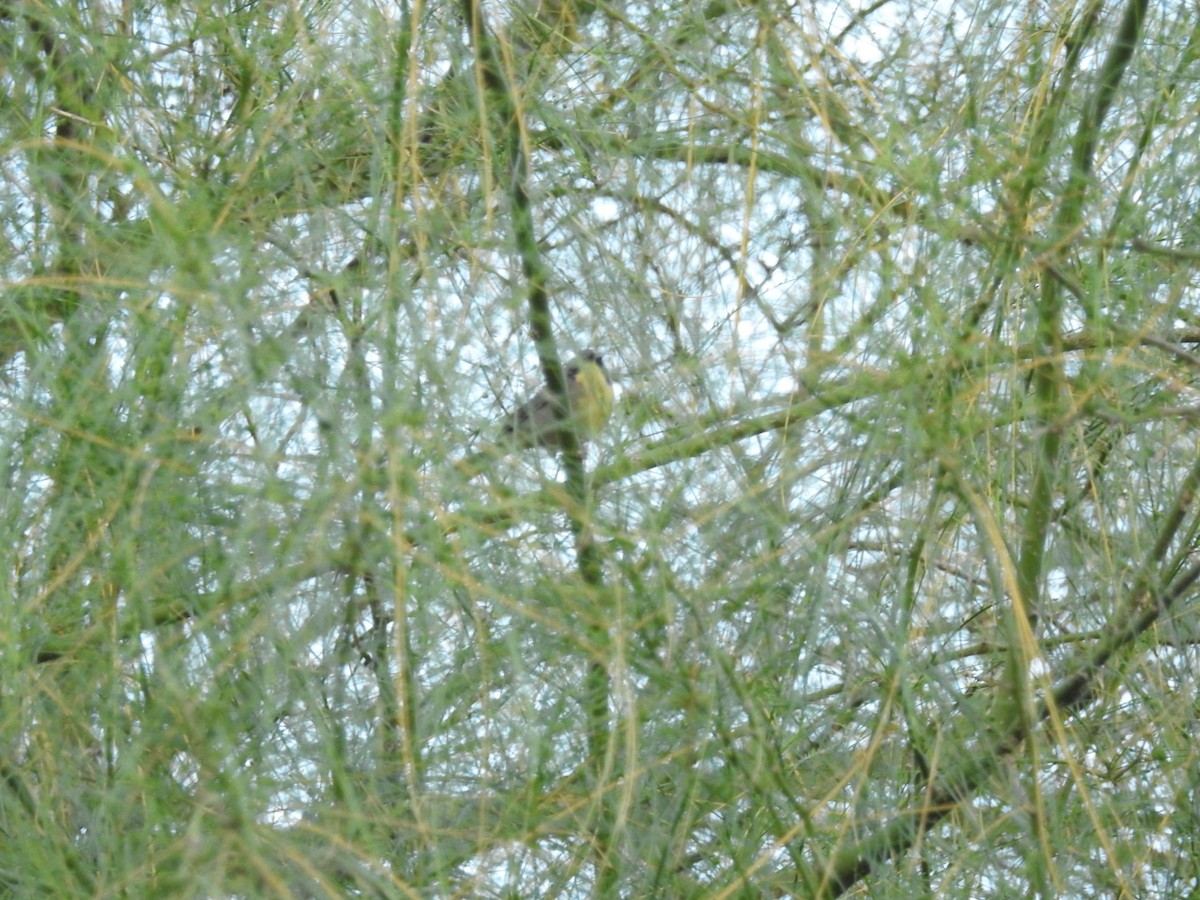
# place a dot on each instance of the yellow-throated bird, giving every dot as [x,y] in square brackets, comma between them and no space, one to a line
[539,421]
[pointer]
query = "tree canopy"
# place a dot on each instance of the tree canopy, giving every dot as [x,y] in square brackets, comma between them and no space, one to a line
[881,579]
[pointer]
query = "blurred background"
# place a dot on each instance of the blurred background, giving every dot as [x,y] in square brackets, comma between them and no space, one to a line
[879,580]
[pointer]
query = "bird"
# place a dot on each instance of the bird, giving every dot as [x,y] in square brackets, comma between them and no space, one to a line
[540,421]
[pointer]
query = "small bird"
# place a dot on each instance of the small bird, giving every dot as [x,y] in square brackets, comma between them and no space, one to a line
[539,421]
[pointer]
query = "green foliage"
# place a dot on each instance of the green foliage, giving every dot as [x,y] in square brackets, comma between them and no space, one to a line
[881,578]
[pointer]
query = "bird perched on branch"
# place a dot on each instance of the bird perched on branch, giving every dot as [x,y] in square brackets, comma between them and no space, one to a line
[540,420]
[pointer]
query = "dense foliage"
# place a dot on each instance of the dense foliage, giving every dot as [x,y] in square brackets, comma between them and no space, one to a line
[882,576]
